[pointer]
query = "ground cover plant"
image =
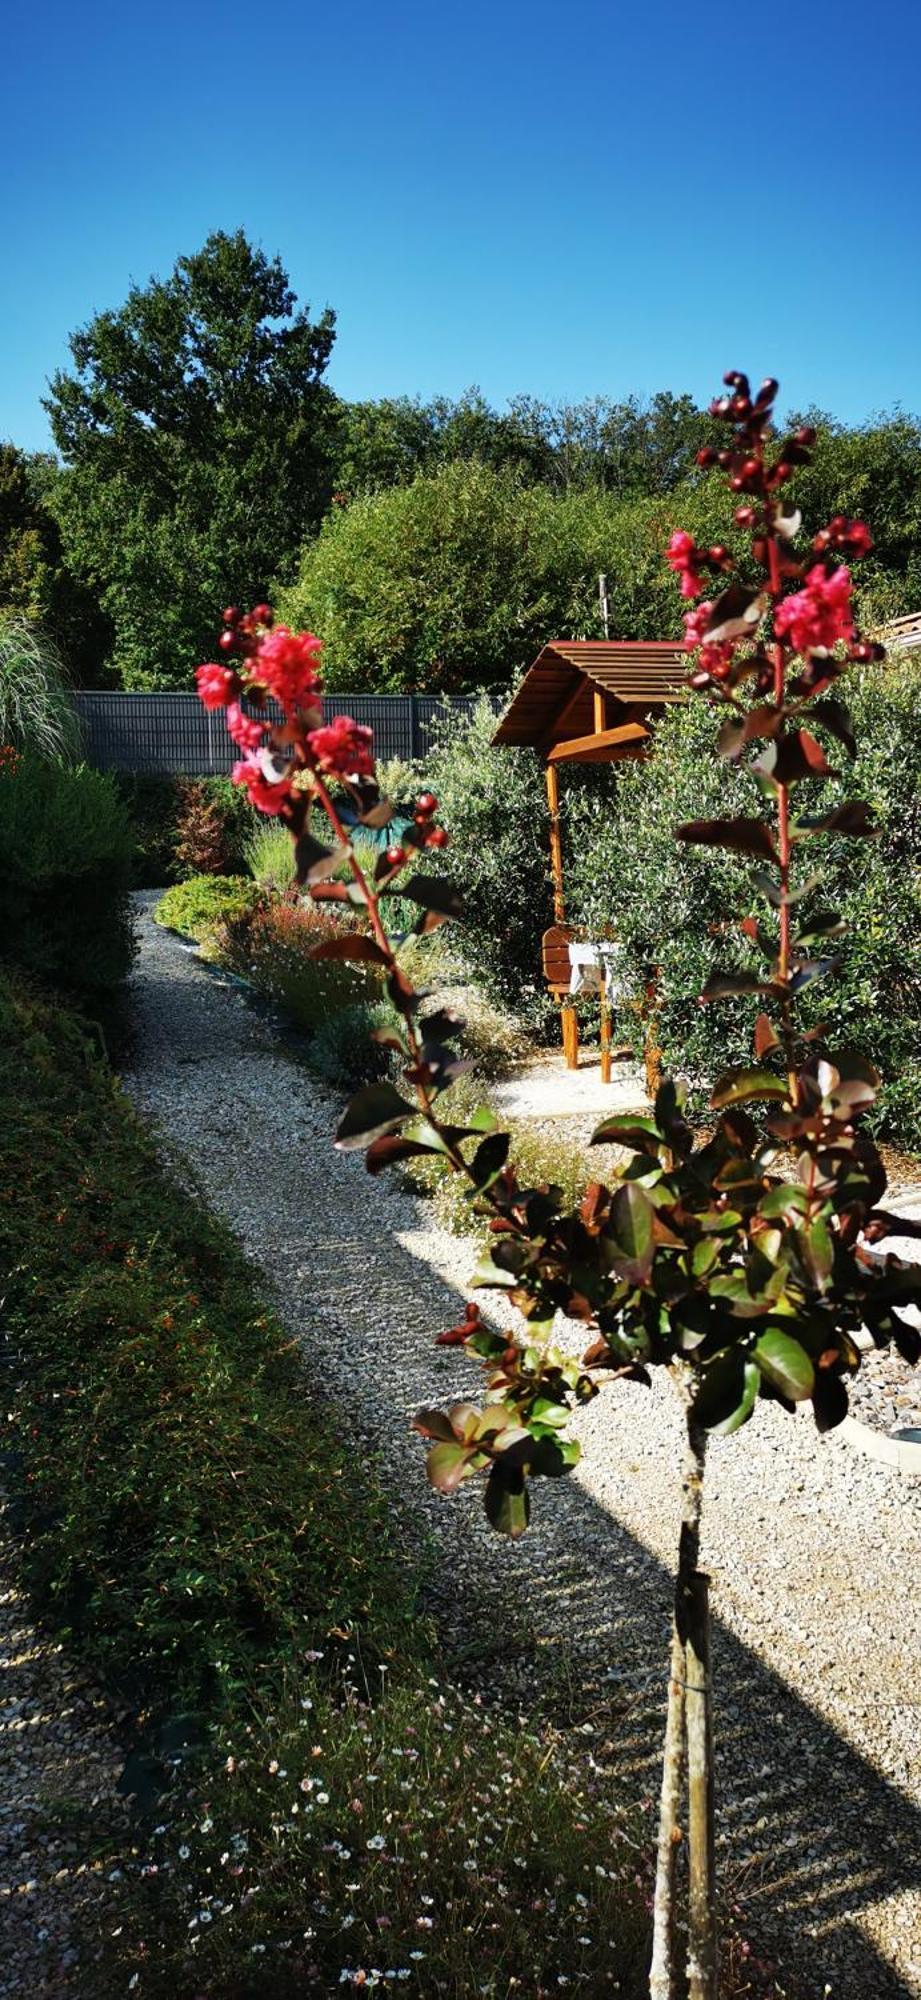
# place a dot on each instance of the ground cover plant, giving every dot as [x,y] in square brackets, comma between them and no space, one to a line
[198,908]
[318,1804]
[707,1258]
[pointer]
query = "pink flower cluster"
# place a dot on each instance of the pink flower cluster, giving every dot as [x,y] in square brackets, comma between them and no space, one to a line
[815,618]
[683,556]
[282,665]
[343,747]
[714,661]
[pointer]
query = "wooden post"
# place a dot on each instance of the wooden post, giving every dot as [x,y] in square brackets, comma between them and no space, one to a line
[600,707]
[570,1020]
[605,1037]
[556,845]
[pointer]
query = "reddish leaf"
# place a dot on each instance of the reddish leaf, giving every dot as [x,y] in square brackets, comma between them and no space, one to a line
[742,836]
[766,1037]
[354,946]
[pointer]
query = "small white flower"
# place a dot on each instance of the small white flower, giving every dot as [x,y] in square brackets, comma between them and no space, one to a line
[376,1842]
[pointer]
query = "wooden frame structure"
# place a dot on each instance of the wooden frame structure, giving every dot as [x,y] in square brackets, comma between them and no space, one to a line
[589,701]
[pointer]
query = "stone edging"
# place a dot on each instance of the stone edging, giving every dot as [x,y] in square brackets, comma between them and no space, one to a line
[904,1458]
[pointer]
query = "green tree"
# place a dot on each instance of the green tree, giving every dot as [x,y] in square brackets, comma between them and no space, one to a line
[196,433]
[35,583]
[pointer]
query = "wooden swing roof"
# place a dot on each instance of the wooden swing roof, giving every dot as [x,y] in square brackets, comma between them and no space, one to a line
[573,682]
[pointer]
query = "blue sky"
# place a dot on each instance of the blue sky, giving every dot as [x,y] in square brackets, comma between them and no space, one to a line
[563,200]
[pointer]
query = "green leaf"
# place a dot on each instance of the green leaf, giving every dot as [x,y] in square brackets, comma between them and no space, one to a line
[785,1364]
[447,1465]
[374,1109]
[740,1084]
[489,1159]
[632,1229]
[829,1400]
[625,1129]
[489,1273]
[507,1502]
[552,1456]
[727,1393]
[789,1198]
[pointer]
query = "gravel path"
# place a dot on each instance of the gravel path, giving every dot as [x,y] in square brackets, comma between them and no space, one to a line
[813,1550]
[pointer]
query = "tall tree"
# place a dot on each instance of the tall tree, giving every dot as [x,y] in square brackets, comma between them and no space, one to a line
[196,432]
[35,583]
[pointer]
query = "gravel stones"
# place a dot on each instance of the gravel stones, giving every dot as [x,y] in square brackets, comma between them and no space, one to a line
[814,1551]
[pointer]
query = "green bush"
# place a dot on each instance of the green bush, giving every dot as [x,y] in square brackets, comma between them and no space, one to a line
[65,869]
[186,826]
[151,804]
[198,908]
[667,902]
[494,805]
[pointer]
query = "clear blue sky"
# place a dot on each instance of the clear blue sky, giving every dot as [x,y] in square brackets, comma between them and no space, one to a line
[559,199]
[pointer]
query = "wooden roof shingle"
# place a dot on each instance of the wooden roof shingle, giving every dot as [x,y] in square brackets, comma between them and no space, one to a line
[637,674]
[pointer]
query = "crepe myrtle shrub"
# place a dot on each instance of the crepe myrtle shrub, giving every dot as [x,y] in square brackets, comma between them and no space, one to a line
[746,1261]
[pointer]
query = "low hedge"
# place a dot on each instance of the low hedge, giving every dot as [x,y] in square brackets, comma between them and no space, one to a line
[197,907]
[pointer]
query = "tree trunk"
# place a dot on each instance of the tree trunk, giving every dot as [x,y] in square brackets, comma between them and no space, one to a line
[702,1935]
[689,1623]
[662,1971]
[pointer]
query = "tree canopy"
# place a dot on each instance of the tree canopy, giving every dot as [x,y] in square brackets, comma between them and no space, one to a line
[196,434]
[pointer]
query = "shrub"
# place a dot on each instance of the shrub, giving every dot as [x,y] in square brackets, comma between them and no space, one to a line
[493,802]
[151,804]
[668,902]
[199,907]
[65,868]
[214,821]
[37,712]
[270,944]
[269,857]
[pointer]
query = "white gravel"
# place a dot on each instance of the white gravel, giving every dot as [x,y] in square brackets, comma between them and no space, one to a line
[813,1550]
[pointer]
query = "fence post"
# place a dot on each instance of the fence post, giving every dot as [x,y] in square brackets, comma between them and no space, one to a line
[415,742]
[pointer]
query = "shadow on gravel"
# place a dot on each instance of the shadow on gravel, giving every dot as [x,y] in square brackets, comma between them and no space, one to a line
[825,1835]
[577,1614]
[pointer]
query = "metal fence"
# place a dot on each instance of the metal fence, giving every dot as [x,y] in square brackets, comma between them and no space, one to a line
[169,733]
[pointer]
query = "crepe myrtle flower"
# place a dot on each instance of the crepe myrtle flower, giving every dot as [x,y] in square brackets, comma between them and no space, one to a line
[816,617]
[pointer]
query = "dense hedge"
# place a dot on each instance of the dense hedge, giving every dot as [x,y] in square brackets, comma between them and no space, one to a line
[65,870]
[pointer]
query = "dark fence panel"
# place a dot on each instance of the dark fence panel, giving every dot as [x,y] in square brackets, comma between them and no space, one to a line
[169,733]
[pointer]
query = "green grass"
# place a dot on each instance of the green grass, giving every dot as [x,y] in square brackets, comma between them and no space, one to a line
[203,1540]
[198,907]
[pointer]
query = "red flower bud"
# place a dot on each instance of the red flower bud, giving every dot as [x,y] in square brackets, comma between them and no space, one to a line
[745,516]
[263,614]
[231,616]
[437,838]
[806,434]
[228,641]
[395,857]
[426,804]
[706,455]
